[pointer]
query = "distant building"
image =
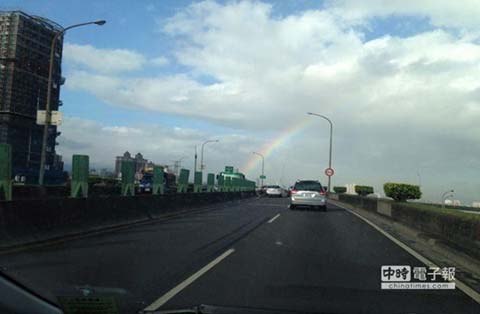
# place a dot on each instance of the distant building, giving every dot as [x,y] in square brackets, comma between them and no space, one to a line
[476,204]
[140,163]
[25,43]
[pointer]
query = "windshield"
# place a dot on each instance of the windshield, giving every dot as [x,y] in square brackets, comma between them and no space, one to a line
[308,186]
[309,156]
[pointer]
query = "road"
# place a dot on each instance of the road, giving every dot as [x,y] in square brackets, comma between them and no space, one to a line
[254,253]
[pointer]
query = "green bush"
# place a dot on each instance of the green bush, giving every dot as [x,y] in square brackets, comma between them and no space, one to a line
[363,190]
[339,189]
[401,192]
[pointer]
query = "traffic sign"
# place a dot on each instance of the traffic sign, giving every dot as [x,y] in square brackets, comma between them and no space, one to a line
[55,119]
[263,177]
[329,172]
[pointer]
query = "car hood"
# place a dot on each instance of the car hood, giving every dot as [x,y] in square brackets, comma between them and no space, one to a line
[214,309]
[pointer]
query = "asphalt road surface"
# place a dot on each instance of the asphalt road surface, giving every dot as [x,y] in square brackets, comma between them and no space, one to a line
[249,253]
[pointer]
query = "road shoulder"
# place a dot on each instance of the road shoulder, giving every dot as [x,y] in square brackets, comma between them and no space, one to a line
[467,268]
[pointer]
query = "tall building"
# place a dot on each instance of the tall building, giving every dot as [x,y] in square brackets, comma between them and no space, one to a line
[25,43]
[139,161]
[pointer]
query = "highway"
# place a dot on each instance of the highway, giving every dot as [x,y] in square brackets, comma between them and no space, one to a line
[249,253]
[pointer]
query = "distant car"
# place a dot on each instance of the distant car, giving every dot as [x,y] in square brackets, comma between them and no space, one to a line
[308,193]
[274,190]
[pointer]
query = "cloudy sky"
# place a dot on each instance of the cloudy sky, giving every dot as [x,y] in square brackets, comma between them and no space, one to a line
[400,80]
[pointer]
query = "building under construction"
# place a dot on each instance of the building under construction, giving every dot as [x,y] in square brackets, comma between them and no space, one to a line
[25,43]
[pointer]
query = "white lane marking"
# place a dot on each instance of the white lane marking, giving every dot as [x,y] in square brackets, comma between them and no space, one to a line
[275,217]
[463,287]
[170,294]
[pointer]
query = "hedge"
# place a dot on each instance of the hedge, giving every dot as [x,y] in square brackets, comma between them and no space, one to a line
[363,190]
[339,189]
[401,192]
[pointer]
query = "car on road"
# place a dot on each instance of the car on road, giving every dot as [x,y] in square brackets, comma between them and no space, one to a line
[274,190]
[308,193]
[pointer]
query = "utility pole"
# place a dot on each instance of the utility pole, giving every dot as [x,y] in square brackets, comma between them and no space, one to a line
[195,163]
[331,140]
[263,166]
[202,166]
[48,113]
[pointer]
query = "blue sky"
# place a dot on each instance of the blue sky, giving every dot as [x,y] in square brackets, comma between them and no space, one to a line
[398,78]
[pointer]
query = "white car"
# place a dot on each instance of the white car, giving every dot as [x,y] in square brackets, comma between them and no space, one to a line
[308,193]
[275,190]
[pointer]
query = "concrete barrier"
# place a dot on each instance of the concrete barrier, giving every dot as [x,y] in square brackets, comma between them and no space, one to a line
[384,208]
[31,221]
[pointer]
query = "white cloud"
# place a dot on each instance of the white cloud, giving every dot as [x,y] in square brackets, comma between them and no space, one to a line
[157,143]
[459,14]
[160,61]
[103,60]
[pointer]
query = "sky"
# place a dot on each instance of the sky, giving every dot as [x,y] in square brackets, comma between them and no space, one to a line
[399,80]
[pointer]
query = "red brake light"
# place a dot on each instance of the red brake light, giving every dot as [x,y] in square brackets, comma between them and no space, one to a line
[322,192]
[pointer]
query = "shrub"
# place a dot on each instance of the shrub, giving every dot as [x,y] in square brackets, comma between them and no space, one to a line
[363,190]
[401,192]
[339,189]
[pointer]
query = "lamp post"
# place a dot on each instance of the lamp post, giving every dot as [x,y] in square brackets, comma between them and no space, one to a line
[444,195]
[202,166]
[48,114]
[331,140]
[263,167]
[177,164]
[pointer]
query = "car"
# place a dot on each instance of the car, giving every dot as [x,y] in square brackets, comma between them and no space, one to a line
[308,193]
[274,190]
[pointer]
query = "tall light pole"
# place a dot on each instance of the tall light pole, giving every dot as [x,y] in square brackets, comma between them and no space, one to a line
[48,113]
[195,162]
[263,167]
[331,139]
[177,164]
[202,166]
[444,196]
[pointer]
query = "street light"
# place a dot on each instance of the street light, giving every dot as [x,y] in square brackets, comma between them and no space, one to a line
[202,166]
[263,167]
[444,195]
[177,164]
[48,114]
[331,138]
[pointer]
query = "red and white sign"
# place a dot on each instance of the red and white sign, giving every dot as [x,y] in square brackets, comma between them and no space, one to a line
[329,172]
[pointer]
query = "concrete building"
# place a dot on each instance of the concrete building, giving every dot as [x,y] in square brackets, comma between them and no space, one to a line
[25,43]
[140,162]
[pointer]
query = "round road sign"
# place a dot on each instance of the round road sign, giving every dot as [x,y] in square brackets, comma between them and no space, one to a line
[329,172]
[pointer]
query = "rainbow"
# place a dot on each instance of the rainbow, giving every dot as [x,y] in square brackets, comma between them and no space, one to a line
[270,147]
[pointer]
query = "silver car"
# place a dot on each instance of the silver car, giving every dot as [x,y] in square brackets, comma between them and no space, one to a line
[274,190]
[308,193]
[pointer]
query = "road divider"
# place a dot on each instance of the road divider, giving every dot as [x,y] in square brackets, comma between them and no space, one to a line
[174,291]
[26,222]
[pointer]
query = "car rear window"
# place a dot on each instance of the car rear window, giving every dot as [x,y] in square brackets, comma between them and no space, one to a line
[308,186]
[273,187]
